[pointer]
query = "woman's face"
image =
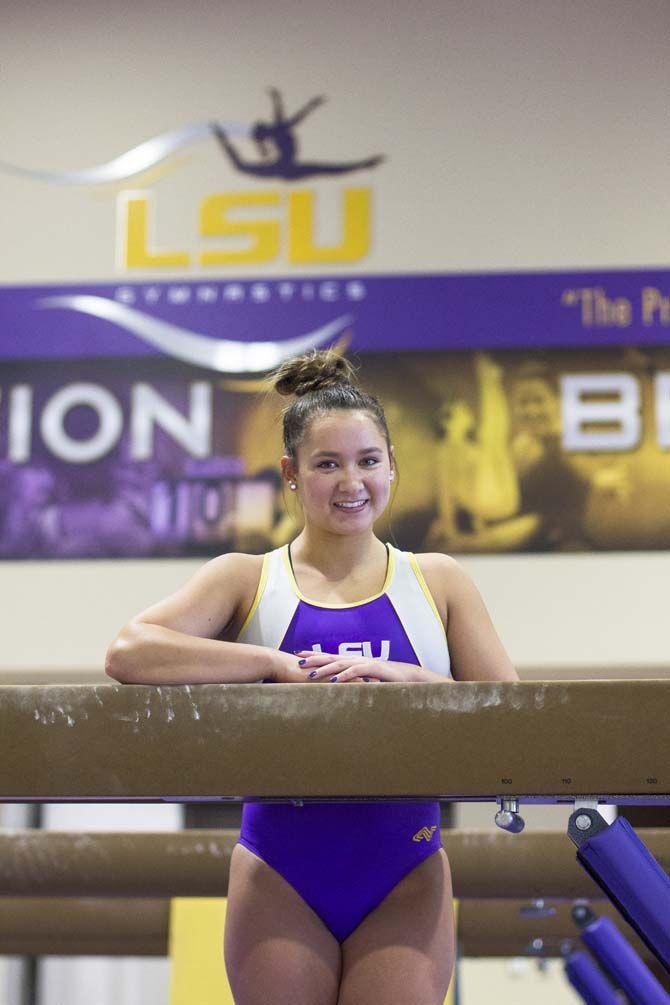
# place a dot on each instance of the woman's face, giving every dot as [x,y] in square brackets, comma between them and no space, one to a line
[535,407]
[343,472]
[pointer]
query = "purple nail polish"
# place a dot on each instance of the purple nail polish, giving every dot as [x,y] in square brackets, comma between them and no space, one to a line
[302,662]
[333,680]
[312,674]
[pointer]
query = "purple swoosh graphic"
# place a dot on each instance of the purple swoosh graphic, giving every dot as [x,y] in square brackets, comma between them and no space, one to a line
[221,355]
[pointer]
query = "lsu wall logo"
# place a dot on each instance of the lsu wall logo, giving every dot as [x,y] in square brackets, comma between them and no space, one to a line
[238,227]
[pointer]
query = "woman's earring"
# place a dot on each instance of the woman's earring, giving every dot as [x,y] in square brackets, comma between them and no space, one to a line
[292,485]
[392,476]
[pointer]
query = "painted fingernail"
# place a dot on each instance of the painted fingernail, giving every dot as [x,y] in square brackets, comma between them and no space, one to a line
[312,674]
[333,680]
[302,662]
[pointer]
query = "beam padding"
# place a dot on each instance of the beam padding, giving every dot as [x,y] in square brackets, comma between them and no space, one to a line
[453,740]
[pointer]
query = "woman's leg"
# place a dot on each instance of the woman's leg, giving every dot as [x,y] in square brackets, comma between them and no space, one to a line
[276,949]
[403,951]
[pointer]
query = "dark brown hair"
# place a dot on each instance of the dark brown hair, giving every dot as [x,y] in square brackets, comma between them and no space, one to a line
[322,381]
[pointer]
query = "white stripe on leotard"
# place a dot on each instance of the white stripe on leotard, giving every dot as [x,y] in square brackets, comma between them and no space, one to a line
[274,608]
[418,614]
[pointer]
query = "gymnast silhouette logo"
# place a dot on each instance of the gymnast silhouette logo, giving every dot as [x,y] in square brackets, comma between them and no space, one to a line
[425,833]
[278,147]
[275,139]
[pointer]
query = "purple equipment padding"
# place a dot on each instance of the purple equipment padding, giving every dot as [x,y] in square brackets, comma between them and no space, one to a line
[589,981]
[618,958]
[631,877]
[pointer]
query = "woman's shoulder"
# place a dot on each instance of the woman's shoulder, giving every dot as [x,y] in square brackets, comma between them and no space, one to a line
[237,575]
[437,563]
[237,563]
[443,574]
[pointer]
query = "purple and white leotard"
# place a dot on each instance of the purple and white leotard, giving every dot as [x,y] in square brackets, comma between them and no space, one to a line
[343,858]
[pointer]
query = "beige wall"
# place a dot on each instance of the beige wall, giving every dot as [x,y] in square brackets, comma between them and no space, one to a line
[519,135]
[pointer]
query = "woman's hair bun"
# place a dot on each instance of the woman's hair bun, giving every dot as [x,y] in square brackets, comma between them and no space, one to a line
[315,370]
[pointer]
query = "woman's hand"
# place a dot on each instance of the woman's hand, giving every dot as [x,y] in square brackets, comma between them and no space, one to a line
[286,669]
[325,666]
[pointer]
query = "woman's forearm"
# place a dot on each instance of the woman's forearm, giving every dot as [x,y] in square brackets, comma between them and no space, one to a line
[150,654]
[431,677]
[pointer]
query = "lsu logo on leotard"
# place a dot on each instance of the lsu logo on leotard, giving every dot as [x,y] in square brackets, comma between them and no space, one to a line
[360,649]
[425,833]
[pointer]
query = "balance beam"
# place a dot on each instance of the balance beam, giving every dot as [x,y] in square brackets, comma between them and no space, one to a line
[539,741]
[195,863]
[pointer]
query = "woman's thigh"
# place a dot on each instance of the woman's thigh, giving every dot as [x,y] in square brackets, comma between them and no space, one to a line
[276,948]
[403,951]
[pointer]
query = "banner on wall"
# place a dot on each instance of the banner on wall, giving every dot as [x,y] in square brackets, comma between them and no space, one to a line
[529,412]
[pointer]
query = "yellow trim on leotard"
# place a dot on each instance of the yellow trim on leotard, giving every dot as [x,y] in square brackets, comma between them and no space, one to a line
[257,598]
[424,586]
[390,567]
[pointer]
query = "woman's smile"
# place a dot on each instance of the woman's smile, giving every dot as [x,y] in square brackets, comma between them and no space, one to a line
[352,505]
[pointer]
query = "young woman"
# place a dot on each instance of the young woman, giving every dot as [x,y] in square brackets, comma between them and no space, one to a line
[328,903]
